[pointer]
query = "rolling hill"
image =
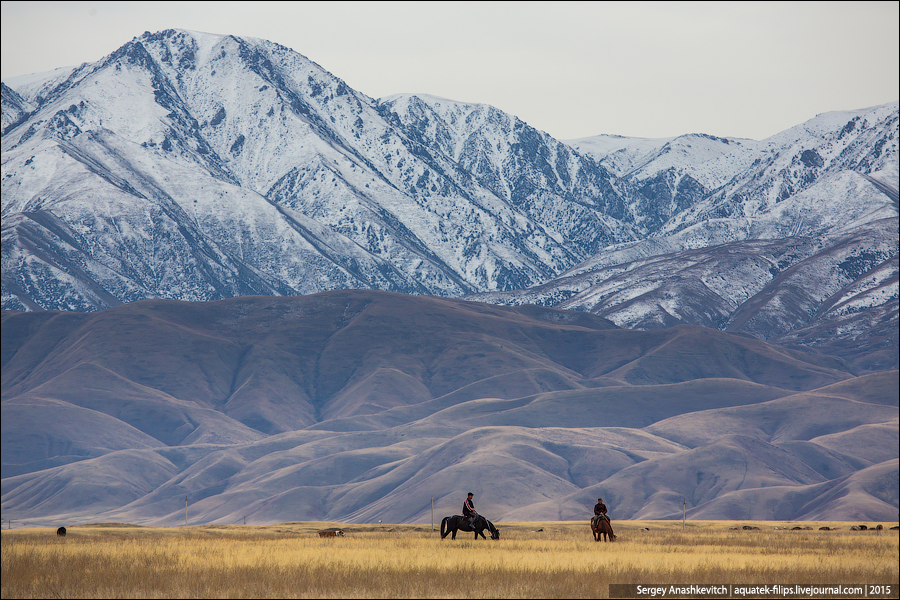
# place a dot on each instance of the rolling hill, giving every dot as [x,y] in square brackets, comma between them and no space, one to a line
[359,405]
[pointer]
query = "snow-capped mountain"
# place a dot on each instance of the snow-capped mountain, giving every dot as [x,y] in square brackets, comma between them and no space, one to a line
[756,237]
[197,166]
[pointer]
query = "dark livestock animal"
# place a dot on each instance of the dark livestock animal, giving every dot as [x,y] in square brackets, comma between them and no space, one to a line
[450,525]
[331,533]
[61,531]
[602,527]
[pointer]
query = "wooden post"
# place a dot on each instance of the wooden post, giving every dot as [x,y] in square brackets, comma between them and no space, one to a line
[185,511]
[683,512]
[432,514]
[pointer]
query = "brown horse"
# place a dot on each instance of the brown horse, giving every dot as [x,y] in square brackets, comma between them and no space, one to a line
[602,527]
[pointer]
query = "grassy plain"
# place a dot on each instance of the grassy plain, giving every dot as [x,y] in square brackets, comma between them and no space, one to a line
[533,560]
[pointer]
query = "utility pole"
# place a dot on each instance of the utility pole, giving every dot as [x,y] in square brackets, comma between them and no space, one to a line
[185,511]
[432,514]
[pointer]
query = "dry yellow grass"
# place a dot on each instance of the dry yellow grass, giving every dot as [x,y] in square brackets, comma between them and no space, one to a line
[406,561]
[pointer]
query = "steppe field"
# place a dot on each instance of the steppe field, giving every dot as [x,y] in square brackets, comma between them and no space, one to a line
[531,560]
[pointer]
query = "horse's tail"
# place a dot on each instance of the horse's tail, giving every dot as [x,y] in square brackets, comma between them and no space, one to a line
[445,527]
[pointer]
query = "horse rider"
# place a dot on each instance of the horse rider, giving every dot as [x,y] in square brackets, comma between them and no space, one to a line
[599,511]
[469,509]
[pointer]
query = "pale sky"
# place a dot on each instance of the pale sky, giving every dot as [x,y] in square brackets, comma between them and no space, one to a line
[571,69]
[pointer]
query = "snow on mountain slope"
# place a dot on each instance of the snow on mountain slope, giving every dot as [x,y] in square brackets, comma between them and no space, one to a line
[725,257]
[863,141]
[34,86]
[805,290]
[663,177]
[704,178]
[710,160]
[14,106]
[573,201]
[354,200]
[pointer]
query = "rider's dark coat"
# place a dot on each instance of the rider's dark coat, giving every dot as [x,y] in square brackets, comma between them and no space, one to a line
[599,509]
[469,508]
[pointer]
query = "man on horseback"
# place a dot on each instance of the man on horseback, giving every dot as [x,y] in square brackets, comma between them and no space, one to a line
[599,512]
[469,509]
[600,523]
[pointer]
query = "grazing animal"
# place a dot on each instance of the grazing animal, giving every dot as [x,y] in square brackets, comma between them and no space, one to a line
[450,525]
[61,531]
[331,533]
[601,527]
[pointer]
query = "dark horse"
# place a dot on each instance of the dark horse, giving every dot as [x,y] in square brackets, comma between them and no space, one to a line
[601,526]
[450,525]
